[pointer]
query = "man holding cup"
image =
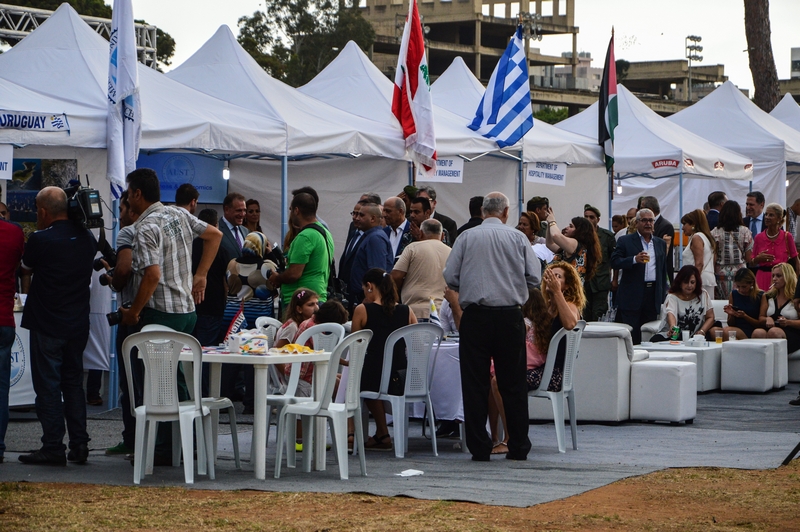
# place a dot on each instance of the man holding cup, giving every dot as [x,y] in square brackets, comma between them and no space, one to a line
[642,256]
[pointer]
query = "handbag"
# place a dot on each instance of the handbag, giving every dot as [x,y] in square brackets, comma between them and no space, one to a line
[337,288]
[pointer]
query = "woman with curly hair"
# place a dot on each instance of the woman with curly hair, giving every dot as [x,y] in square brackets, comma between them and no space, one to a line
[577,244]
[562,300]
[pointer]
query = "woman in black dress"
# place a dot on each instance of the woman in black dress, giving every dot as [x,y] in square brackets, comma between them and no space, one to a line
[380,313]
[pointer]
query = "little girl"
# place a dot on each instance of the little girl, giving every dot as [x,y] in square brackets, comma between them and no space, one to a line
[303,305]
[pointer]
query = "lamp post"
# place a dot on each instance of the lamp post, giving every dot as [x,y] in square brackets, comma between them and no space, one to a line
[531,28]
[692,51]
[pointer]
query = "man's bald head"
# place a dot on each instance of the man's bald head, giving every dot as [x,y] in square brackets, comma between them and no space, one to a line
[495,205]
[51,205]
[371,216]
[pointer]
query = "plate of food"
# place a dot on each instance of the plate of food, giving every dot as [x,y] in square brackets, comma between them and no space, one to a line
[293,349]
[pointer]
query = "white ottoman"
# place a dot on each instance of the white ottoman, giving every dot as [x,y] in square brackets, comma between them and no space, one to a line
[673,356]
[747,366]
[780,351]
[664,390]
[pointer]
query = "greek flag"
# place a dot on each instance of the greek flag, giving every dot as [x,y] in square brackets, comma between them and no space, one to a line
[505,113]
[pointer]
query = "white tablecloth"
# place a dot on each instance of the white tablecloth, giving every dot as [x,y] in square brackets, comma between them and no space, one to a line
[445,385]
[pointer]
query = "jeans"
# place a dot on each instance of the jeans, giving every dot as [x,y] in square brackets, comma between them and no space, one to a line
[6,341]
[57,370]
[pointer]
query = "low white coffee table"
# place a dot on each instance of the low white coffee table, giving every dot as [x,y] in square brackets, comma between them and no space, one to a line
[709,361]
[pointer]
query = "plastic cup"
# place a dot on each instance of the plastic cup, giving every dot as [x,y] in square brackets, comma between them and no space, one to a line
[731,336]
[718,336]
[685,336]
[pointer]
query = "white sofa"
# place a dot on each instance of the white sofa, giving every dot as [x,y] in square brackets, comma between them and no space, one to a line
[602,376]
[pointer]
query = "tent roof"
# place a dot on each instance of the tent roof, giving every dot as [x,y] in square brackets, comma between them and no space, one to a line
[459,91]
[647,145]
[728,118]
[62,67]
[223,69]
[353,83]
[787,111]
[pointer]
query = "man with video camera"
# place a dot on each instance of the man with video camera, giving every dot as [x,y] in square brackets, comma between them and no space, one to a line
[121,281]
[60,257]
[162,266]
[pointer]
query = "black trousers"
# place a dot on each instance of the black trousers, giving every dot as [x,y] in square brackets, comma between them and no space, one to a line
[646,312]
[492,333]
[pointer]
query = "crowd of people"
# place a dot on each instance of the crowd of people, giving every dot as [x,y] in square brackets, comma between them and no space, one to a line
[403,262]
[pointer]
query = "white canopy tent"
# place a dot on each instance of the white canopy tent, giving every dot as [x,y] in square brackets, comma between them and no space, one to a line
[353,83]
[459,91]
[788,112]
[648,149]
[728,118]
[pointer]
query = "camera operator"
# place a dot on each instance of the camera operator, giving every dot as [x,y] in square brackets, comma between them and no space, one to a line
[60,256]
[162,266]
[121,280]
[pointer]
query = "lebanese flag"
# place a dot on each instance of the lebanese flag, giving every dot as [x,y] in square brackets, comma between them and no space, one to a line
[411,102]
[607,114]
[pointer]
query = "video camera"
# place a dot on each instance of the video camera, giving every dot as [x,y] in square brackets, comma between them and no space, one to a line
[84,205]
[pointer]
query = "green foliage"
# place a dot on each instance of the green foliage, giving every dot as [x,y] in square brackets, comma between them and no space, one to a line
[551,115]
[293,40]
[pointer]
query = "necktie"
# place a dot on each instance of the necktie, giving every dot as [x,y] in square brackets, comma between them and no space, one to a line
[754,226]
[355,239]
[238,236]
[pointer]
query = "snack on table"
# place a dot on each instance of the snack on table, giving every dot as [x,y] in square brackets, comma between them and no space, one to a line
[255,345]
[293,349]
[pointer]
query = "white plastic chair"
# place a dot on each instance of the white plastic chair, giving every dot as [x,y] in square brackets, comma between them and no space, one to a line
[212,403]
[160,351]
[337,413]
[269,327]
[326,336]
[557,398]
[420,340]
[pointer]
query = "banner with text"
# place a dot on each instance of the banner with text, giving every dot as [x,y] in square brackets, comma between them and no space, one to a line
[175,169]
[447,171]
[33,121]
[6,161]
[547,173]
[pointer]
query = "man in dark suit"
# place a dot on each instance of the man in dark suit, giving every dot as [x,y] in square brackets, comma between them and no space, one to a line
[397,228]
[475,214]
[662,228]
[642,258]
[448,223]
[372,250]
[715,202]
[233,232]
[754,209]
[346,260]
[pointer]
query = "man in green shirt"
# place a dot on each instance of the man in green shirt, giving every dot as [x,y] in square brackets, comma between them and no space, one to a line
[310,253]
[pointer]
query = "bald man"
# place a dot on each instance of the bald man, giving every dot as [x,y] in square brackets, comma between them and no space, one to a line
[60,256]
[373,250]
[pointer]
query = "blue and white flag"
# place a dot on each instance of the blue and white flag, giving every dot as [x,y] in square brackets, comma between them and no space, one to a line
[124,124]
[505,113]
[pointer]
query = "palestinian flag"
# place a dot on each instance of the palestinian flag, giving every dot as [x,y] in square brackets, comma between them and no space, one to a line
[607,115]
[411,101]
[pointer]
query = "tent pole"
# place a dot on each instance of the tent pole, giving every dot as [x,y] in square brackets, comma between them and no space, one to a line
[113,365]
[284,197]
[680,225]
[411,173]
[751,185]
[521,184]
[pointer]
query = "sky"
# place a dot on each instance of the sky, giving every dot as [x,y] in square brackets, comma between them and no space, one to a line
[646,30]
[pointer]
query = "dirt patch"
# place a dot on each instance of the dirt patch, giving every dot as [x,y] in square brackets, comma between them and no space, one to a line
[696,499]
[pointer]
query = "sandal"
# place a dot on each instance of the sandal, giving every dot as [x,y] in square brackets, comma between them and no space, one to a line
[499,447]
[350,442]
[379,443]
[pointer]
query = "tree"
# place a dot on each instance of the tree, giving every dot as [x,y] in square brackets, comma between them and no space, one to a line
[759,46]
[293,40]
[622,69]
[551,115]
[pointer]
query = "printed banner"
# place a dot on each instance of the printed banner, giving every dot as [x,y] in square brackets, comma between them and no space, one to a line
[6,161]
[547,173]
[33,121]
[175,169]
[447,171]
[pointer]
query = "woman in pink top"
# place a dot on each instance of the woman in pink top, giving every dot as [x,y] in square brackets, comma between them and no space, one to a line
[772,246]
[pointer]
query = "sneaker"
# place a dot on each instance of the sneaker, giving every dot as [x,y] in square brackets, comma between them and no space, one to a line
[795,402]
[79,454]
[119,448]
